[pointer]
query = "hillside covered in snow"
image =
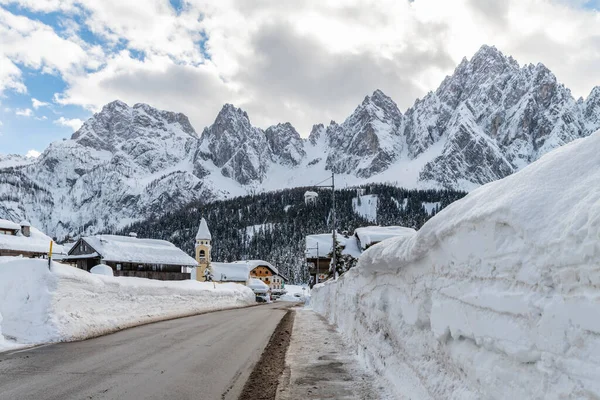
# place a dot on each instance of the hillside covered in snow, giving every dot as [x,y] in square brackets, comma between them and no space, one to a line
[490,118]
[495,297]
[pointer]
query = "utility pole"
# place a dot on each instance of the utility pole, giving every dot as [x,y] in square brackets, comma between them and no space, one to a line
[334,258]
[317,275]
[333,219]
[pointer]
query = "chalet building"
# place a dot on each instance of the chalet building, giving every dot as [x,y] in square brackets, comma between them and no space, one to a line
[24,240]
[320,247]
[267,273]
[130,256]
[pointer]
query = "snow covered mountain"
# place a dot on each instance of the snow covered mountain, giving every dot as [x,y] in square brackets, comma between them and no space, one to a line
[490,118]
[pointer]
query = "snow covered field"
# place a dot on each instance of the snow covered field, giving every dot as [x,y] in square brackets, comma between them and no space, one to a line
[41,306]
[496,297]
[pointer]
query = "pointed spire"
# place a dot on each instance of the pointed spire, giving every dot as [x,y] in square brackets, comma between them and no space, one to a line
[203,232]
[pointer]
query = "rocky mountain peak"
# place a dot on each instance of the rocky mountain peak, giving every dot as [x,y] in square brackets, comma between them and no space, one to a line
[316,133]
[285,143]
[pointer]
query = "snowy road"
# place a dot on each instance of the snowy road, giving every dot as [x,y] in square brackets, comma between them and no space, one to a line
[208,356]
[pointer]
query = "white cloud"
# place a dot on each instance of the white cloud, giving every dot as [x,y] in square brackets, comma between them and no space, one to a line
[42,118]
[37,103]
[74,123]
[24,112]
[303,61]
[35,45]
[33,154]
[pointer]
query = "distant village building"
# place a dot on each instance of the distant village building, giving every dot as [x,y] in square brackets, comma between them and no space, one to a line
[131,256]
[267,273]
[310,198]
[24,240]
[319,247]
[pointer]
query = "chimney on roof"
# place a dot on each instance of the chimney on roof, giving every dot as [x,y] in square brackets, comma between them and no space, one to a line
[25,228]
[133,234]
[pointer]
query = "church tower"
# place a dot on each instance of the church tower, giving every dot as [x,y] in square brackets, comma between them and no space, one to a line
[203,240]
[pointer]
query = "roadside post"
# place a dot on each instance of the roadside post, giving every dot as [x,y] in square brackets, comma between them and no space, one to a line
[50,257]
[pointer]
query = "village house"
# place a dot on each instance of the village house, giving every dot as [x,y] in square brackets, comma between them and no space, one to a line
[131,256]
[24,240]
[319,247]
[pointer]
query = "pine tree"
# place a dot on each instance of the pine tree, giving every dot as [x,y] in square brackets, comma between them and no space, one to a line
[340,262]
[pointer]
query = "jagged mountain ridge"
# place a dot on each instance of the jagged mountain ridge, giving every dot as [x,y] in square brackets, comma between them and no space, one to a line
[488,119]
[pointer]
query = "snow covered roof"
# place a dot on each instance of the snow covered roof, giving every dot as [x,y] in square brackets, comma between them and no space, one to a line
[24,224]
[143,251]
[375,234]
[325,244]
[230,272]
[311,194]
[258,286]
[258,263]
[6,224]
[36,242]
[203,232]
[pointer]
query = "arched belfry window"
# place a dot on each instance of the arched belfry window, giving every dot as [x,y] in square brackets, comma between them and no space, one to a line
[202,255]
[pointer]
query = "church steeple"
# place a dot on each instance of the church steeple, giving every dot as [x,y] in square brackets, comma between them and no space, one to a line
[203,246]
[203,232]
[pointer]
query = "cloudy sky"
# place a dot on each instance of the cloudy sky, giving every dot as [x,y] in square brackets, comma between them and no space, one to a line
[302,61]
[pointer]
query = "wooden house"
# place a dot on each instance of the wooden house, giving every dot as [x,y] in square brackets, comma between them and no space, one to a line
[130,256]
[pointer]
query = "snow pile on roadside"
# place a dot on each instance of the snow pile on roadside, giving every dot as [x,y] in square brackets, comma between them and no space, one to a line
[258,286]
[102,269]
[40,306]
[496,297]
[292,290]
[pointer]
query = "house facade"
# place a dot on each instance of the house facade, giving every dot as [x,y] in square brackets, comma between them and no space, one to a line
[266,272]
[130,256]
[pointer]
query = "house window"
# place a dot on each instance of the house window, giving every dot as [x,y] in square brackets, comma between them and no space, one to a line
[118,267]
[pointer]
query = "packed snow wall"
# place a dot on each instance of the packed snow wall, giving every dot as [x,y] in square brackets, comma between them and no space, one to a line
[64,304]
[496,297]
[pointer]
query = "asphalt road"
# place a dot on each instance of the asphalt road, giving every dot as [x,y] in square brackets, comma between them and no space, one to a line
[203,357]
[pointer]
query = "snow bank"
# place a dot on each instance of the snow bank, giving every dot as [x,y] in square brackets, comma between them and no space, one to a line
[40,306]
[496,297]
[102,269]
[291,290]
[258,286]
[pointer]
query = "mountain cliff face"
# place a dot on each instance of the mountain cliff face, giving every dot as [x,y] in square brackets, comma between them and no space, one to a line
[490,118]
